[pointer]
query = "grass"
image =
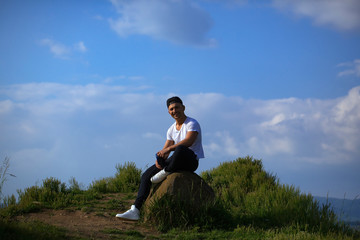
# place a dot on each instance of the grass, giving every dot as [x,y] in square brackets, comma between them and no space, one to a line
[169,212]
[250,204]
[250,233]
[28,231]
[119,234]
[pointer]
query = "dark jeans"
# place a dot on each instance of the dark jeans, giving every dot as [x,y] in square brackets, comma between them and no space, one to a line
[183,159]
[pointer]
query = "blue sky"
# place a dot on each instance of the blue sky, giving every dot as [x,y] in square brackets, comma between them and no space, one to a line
[83,86]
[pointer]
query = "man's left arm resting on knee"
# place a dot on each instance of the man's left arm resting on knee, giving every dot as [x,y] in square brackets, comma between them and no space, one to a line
[170,146]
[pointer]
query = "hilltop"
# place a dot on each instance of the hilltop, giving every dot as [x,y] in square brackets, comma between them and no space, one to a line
[250,203]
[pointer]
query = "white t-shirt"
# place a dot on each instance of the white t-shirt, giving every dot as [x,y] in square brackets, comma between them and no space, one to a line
[190,124]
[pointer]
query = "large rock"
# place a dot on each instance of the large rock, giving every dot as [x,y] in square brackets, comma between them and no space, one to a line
[186,186]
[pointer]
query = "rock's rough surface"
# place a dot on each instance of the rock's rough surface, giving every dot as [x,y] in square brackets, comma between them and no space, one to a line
[186,186]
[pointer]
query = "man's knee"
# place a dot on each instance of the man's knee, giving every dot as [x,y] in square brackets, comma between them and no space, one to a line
[181,148]
[151,171]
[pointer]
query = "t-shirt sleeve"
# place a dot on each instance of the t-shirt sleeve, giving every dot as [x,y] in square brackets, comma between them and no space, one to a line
[193,126]
[168,134]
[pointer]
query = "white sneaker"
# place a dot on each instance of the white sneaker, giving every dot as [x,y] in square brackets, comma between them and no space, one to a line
[159,176]
[132,214]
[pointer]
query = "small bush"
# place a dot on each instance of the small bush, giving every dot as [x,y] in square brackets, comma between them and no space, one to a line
[127,179]
[52,194]
[102,186]
[232,181]
[74,186]
[9,200]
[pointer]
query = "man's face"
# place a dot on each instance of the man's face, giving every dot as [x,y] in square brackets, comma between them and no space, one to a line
[176,110]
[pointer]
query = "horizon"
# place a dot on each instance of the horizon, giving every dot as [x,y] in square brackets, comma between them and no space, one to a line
[83,87]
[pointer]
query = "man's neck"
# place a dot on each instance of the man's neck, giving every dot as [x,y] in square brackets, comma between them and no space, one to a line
[180,121]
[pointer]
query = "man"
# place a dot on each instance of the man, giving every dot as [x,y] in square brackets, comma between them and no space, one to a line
[184,140]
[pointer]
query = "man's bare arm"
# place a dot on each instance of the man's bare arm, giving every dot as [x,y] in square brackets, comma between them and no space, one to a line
[170,146]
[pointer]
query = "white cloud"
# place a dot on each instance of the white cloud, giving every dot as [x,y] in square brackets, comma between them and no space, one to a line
[71,129]
[221,144]
[288,126]
[80,46]
[352,68]
[295,129]
[343,14]
[151,135]
[62,51]
[59,50]
[270,146]
[181,22]
[309,128]
[345,124]
[98,17]
[5,106]
[121,79]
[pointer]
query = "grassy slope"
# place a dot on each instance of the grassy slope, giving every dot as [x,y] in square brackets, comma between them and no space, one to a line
[251,205]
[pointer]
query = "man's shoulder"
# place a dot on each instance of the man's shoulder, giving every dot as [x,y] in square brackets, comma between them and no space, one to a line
[191,122]
[190,119]
[172,126]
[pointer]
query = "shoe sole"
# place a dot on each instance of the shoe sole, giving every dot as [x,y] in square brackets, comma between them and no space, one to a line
[127,219]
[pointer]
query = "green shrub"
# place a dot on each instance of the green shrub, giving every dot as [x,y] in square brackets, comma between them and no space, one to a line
[127,179]
[52,194]
[102,186]
[9,200]
[233,181]
[256,198]
[74,186]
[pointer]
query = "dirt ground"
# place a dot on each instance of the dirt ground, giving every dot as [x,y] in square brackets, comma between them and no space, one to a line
[89,224]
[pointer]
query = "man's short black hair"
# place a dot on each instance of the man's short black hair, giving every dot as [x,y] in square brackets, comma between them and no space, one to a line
[173,100]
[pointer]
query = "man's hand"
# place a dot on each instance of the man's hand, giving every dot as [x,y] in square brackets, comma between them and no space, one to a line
[164,153]
[158,165]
